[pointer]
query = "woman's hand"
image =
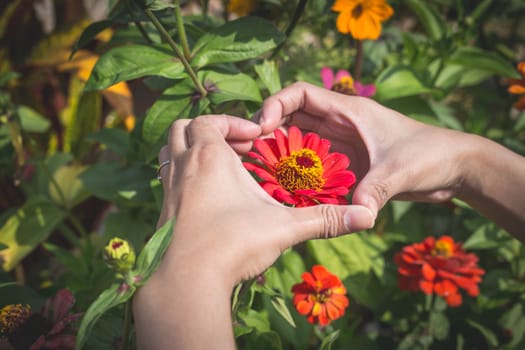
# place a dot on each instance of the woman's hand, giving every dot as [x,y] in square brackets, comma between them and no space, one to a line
[393,156]
[227,228]
[222,215]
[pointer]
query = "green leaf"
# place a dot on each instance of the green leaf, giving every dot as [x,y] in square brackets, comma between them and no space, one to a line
[280,306]
[399,81]
[488,236]
[446,115]
[26,229]
[132,62]
[489,335]
[114,139]
[351,254]
[89,33]
[327,342]
[31,120]
[150,256]
[108,180]
[67,259]
[432,21]
[226,86]
[7,76]
[476,58]
[176,102]
[108,299]
[70,191]
[269,75]
[439,325]
[238,40]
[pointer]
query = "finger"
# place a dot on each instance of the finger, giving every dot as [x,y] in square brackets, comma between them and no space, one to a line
[299,96]
[210,128]
[164,170]
[327,221]
[177,143]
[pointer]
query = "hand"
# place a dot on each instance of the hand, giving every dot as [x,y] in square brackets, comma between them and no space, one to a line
[392,155]
[223,217]
[227,228]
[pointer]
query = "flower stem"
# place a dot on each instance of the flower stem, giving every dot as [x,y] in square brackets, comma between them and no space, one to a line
[164,33]
[127,326]
[358,60]
[182,32]
[299,9]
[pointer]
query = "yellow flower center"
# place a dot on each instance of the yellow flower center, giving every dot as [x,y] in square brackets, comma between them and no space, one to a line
[442,248]
[345,85]
[301,170]
[13,316]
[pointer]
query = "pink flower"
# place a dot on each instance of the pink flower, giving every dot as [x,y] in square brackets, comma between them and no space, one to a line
[344,83]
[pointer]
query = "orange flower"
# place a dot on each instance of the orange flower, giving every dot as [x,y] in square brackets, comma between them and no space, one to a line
[299,170]
[241,7]
[441,267]
[517,87]
[361,18]
[321,296]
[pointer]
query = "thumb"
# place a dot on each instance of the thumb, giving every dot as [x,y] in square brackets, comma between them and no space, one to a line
[327,221]
[373,191]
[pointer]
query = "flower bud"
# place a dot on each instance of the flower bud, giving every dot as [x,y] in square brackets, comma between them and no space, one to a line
[119,254]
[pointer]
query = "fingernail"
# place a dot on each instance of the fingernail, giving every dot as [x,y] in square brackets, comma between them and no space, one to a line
[347,221]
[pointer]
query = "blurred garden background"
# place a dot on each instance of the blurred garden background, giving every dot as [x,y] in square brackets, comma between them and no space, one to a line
[89,88]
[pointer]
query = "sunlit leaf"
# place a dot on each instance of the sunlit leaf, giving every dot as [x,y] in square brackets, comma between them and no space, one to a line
[242,39]
[27,228]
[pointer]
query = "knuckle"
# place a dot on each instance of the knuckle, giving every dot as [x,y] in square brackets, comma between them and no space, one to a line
[381,192]
[331,221]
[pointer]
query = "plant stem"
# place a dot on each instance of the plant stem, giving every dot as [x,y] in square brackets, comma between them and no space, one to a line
[299,9]
[182,32]
[127,326]
[164,33]
[358,60]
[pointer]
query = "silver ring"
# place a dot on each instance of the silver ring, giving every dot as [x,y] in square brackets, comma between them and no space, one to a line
[162,165]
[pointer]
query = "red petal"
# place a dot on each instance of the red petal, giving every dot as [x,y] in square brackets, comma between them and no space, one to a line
[428,272]
[281,141]
[269,150]
[304,307]
[295,139]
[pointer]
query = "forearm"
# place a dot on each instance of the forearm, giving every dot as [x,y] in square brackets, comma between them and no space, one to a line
[494,184]
[187,309]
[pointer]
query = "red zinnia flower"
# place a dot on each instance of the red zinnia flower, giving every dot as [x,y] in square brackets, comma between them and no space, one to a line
[517,87]
[321,296]
[299,170]
[439,266]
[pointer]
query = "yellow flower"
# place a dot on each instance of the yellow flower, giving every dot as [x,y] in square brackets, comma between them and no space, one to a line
[120,255]
[13,316]
[362,18]
[241,7]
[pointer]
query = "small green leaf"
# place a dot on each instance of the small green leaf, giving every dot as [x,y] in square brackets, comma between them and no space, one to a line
[230,87]
[327,342]
[150,256]
[433,22]
[176,102]
[476,58]
[238,40]
[7,76]
[31,120]
[132,62]
[489,335]
[399,81]
[279,305]
[439,325]
[269,75]
[70,191]
[89,33]
[488,236]
[114,139]
[108,299]
[26,229]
